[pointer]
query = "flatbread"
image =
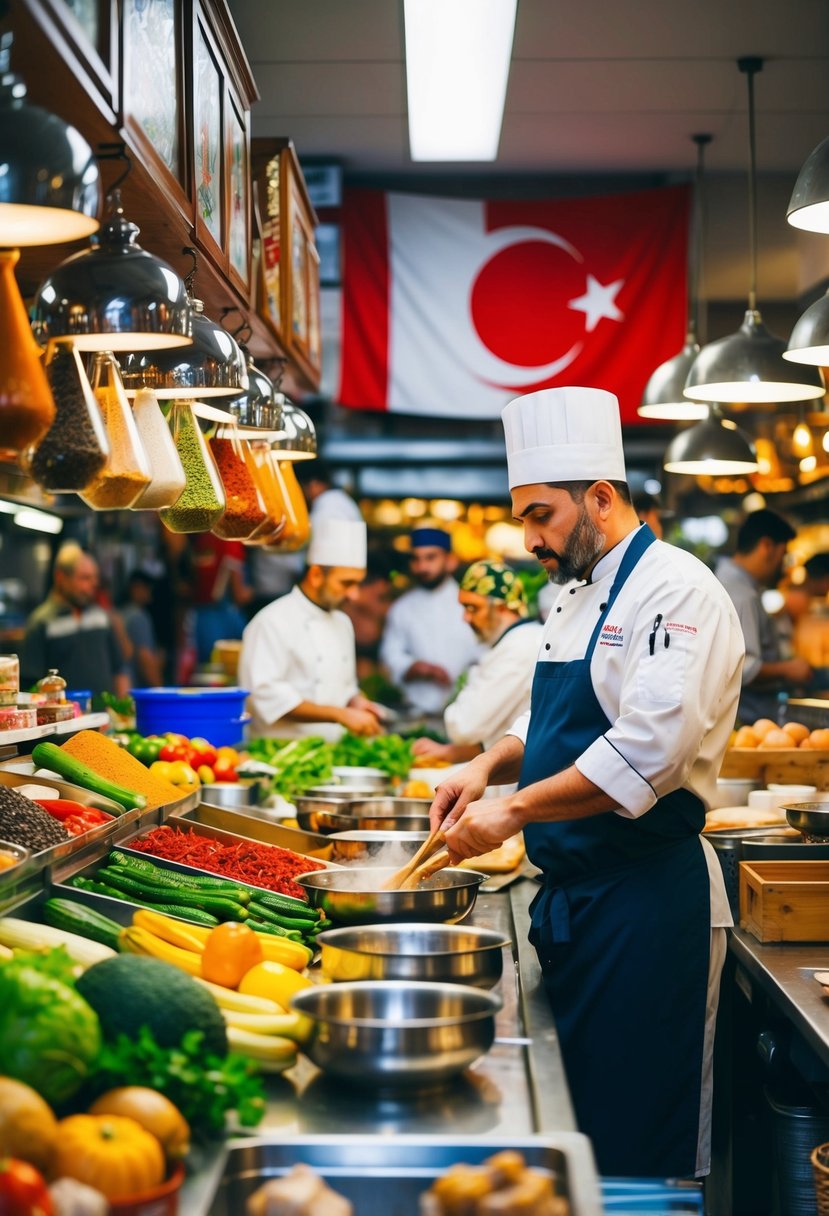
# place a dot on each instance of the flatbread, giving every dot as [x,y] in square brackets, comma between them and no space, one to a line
[506,857]
[742,817]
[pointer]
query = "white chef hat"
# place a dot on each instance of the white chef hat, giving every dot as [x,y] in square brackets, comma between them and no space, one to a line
[338,542]
[563,434]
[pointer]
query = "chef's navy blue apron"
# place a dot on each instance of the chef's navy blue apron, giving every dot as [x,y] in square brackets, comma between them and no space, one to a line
[622,932]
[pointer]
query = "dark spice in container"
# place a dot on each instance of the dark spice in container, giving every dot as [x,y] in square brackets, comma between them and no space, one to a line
[245,510]
[75,448]
[202,500]
[24,822]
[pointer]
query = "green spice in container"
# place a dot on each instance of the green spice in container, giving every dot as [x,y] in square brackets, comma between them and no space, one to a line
[202,501]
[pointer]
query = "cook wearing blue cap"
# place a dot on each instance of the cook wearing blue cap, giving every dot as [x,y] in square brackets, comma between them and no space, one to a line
[426,642]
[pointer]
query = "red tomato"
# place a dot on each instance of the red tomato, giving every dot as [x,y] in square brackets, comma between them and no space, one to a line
[23,1190]
[174,751]
[205,752]
[224,771]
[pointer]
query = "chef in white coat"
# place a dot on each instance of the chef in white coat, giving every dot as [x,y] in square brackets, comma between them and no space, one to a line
[298,658]
[497,687]
[426,641]
[633,701]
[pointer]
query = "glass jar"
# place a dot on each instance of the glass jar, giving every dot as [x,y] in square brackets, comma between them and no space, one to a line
[296,500]
[168,477]
[257,454]
[9,679]
[126,473]
[75,448]
[52,688]
[26,406]
[245,510]
[203,500]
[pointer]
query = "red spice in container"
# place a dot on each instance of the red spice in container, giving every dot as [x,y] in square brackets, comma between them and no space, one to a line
[245,510]
[261,865]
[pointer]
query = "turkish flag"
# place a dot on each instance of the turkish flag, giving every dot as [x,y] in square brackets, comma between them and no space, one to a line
[452,307]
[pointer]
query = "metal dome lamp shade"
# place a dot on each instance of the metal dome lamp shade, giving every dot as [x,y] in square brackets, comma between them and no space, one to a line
[256,411]
[809,205]
[300,440]
[212,366]
[809,342]
[115,295]
[49,183]
[747,368]
[663,398]
[716,447]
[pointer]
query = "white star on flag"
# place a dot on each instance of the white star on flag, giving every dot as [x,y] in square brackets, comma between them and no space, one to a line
[598,302]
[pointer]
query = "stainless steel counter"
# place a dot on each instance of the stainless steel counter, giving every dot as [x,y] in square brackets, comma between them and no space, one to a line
[518,1089]
[784,972]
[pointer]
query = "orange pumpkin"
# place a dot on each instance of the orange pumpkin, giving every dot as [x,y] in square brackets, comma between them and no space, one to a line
[109,1152]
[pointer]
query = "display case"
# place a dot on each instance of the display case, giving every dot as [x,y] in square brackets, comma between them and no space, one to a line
[288,281]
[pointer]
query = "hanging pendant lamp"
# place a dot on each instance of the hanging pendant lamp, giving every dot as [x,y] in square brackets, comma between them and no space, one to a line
[748,367]
[663,398]
[809,205]
[716,447]
[809,342]
[300,440]
[256,410]
[114,295]
[49,182]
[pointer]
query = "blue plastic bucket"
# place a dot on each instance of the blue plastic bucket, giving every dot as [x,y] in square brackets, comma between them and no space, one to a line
[215,714]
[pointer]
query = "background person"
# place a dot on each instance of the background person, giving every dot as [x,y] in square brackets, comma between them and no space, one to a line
[298,657]
[146,669]
[71,632]
[761,546]
[497,690]
[427,643]
[633,702]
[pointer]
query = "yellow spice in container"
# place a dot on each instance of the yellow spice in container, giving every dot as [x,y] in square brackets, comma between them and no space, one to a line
[109,760]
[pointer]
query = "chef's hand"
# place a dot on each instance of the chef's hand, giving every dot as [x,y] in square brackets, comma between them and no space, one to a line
[421,670]
[797,670]
[483,826]
[428,747]
[455,793]
[360,721]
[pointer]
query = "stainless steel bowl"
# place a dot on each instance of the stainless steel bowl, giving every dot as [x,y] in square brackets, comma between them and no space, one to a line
[391,848]
[343,818]
[810,818]
[355,896]
[362,777]
[339,792]
[454,954]
[388,1033]
[390,807]
[234,794]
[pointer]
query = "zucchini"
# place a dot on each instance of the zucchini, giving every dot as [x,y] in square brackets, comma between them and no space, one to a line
[49,755]
[77,918]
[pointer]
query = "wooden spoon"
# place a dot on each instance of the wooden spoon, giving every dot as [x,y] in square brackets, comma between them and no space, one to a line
[425,870]
[426,850]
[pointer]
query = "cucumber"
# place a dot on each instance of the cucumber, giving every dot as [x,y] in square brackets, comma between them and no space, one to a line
[148,891]
[196,915]
[286,905]
[255,908]
[86,922]
[192,882]
[49,755]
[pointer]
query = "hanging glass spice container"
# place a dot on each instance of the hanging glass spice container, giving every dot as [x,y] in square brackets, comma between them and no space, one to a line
[26,406]
[203,499]
[298,508]
[257,454]
[126,473]
[245,510]
[75,448]
[168,477]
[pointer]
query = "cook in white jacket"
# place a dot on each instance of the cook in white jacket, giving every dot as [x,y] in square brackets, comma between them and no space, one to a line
[298,659]
[497,688]
[633,700]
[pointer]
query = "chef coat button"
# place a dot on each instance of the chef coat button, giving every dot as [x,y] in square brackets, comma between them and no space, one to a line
[558,609]
[572,590]
[602,607]
[546,645]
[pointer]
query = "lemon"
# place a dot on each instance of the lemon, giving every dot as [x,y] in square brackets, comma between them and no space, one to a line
[273,981]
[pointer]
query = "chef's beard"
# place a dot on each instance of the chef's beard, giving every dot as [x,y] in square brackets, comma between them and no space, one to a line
[582,547]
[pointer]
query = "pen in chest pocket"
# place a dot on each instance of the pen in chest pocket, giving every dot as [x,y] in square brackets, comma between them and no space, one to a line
[652,636]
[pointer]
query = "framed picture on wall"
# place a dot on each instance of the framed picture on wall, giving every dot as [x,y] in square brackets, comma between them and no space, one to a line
[207,124]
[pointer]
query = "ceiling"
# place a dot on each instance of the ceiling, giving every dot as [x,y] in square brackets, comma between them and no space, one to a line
[595,88]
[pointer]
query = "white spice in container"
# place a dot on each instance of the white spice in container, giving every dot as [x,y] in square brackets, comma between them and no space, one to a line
[168,477]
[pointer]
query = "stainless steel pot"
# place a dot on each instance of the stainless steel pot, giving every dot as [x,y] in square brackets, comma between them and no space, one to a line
[457,954]
[393,848]
[344,818]
[355,896]
[362,777]
[810,818]
[230,794]
[388,1033]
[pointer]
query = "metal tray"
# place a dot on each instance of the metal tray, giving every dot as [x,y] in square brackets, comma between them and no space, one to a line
[255,826]
[386,1177]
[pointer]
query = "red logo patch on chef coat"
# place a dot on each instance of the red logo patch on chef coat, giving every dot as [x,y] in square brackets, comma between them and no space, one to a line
[680,627]
[612,635]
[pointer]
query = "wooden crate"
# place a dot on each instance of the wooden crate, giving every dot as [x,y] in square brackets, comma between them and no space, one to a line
[785,901]
[779,766]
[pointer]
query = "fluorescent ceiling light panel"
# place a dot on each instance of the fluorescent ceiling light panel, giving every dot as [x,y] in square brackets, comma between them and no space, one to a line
[38,521]
[457,67]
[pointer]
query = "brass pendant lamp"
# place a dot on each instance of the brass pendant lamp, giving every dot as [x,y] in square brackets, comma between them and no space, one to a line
[663,398]
[747,367]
